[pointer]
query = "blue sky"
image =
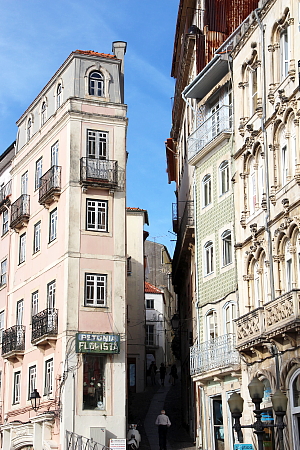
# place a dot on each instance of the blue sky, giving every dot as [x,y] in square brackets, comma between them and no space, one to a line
[37,36]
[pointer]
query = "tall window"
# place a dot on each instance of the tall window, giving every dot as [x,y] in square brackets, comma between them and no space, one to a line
[17,387]
[294,405]
[218,426]
[43,113]
[1,325]
[51,289]
[96,215]
[150,340]
[224,177]
[22,248]
[253,90]
[48,377]
[4,222]
[208,258]
[226,248]
[97,144]
[288,265]
[150,303]
[95,289]
[54,154]
[53,225]
[252,188]
[37,237]
[29,123]
[94,382]
[212,325]
[3,272]
[96,84]
[20,312]
[38,173]
[284,53]
[24,183]
[215,119]
[284,164]
[31,380]
[230,315]
[206,190]
[34,303]
[58,96]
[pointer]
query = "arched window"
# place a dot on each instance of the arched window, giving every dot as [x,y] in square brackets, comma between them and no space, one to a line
[208,258]
[284,54]
[253,89]
[224,177]
[58,96]
[226,248]
[29,123]
[257,292]
[96,84]
[288,267]
[252,188]
[206,190]
[211,325]
[230,315]
[294,405]
[43,113]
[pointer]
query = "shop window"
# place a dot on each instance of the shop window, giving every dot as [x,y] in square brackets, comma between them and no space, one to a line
[94,382]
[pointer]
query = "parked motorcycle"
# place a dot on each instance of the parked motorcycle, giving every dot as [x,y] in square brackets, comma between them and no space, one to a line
[133,437]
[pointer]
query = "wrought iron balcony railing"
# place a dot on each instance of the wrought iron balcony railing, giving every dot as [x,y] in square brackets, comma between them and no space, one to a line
[76,442]
[13,339]
[50,185]
[185,225]
[219,122]
[99,172]
[44,324]
[20,211]
[217,353]
[5,193]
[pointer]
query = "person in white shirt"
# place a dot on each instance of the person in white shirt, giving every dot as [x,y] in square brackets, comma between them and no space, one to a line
[163,423]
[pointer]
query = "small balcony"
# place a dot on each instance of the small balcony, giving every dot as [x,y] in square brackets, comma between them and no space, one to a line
[13,343]
[5,194]
[250,328]
[20,212]
[50,187]
[185,234]
[216,125]
[216,354]
[45,327]
[101,173]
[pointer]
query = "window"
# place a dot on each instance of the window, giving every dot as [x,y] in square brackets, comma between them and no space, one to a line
[31,380]
[230,315]
[150,335]
[43,113]
[284,53]
[206,187]
[1,325]
[3,274]
[38,173]
[224,177]
[284,164]
[212,325]
[37,237]
[24,183]
[53,225]
[34,303]
[129,266]
[94,382]
[54,154]
[226,248]
[29,123]
[58,96]
[288,265]
[48,377]
[22,248]
[96,84]
[149,303]
[215,119]
[51,289]
[17,387]
[96,215]
[252,188]
[294,405]
[95,289]
[218,427]
[253,90]
[20,311]
[4,222]
[97,144]
[208,258]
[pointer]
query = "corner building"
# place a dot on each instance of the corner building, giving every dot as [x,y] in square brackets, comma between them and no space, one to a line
[63,260]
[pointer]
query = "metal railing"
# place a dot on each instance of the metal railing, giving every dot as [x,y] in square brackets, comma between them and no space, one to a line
[5,192]
[186,221]
[44,323]
[99,171]
[217,353]
[20,210]
[76,442]
[13,339]
[219,122]
[50,182]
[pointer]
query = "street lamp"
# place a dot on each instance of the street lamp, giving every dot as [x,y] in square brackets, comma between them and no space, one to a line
[175,321]
[35,399]
[256,390]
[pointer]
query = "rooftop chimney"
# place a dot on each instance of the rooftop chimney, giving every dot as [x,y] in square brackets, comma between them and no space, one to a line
[119,50]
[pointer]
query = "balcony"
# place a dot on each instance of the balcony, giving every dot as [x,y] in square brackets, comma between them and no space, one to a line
[185,234]
[20,212]
[217,354]
[13,343]
[77,442]
[5,193]
[217,125]
[250,328]
[45,327]
[101,173]
[50,187]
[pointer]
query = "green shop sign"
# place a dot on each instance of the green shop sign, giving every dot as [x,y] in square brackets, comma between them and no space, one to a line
[97,343]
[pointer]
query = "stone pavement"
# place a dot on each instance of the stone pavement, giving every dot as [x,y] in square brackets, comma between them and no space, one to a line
[145,407]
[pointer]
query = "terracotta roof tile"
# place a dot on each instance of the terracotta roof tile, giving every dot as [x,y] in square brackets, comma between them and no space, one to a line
[150,289]
[135,209]
[92,53]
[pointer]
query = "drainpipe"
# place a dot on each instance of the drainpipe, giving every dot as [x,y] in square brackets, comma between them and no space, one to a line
[188,103]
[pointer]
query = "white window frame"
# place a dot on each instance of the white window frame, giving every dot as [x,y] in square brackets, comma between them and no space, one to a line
[253,89]
[288,267]
[252,188]
[95,290]
[150,333]
[226,248]
[5,220]
[206,190]
[24,183]
[34,303]
[58,96]
[3,272]
[53,225]
[230,313]
[29,126]
[32,377]
[96,84]
[208,258]
[2,324]
[38,173]
[49,375]
[20,312]
[37,237]
[17,387]
[54,154]
[22,248]
[51,293]
[224,177]
[96,215]
[211,332]
[149,303]
[284,53]
[43,113]
[97,144]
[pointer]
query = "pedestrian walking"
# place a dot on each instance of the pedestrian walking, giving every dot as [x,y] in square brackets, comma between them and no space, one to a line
[162,373]
[152,370]
[163,423]
[173,374]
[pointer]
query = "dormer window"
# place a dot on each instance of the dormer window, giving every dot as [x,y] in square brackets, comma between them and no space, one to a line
[96,84]
[58,96]
[29,123]
[43,113]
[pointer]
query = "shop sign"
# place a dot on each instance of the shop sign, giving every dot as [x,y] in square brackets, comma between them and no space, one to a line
[243,447]
[117,444]
[97,343]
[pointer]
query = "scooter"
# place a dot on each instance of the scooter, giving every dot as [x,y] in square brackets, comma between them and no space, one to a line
[133,437]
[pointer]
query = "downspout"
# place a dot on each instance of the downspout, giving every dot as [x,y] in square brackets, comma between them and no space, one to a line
[188,103]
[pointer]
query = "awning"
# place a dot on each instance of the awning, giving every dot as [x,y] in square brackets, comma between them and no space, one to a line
[171,164]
